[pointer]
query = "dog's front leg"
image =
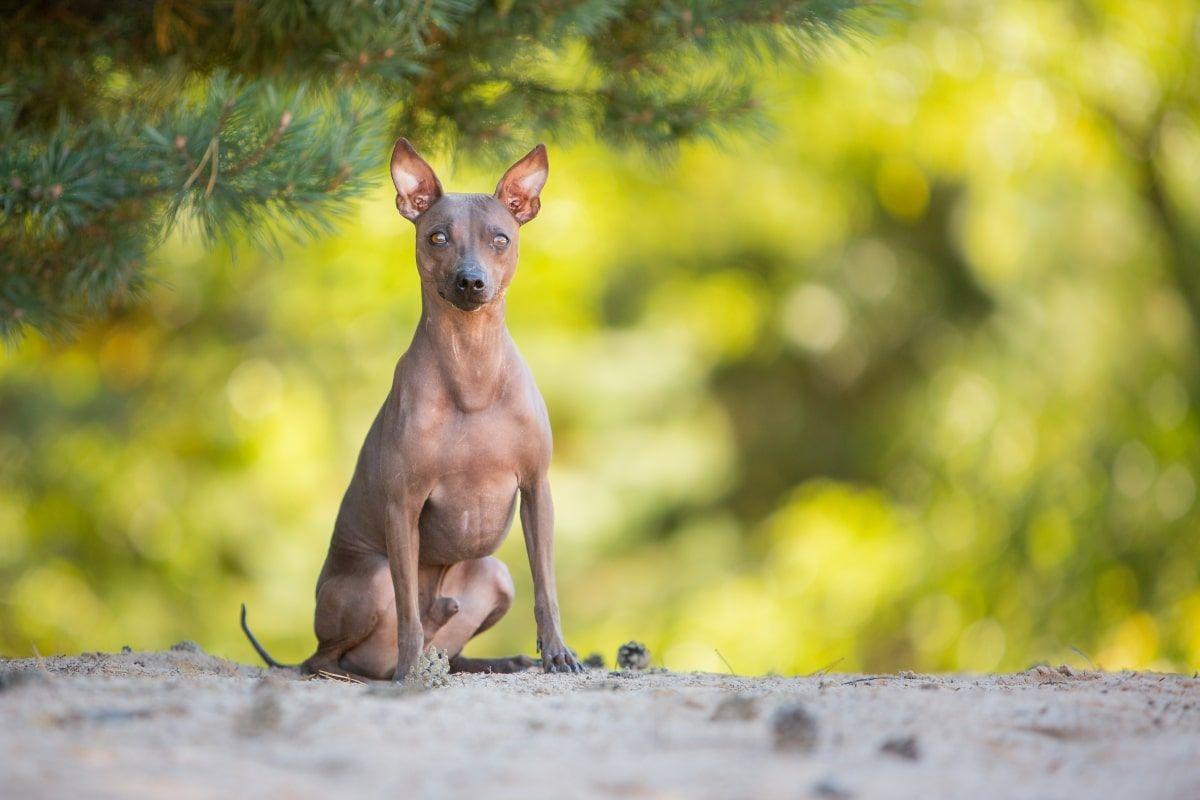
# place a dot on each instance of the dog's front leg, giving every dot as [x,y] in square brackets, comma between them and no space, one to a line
[537,520]
[403,545]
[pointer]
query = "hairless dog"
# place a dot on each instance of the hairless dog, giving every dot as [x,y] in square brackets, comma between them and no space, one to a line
[462,432]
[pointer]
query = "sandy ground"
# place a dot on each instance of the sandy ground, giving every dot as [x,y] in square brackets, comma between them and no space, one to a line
[184,724]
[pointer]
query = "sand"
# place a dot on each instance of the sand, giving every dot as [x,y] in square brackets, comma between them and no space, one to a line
[184,724]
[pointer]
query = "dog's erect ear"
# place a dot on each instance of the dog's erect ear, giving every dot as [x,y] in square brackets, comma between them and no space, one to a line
[417,188]
[521,186]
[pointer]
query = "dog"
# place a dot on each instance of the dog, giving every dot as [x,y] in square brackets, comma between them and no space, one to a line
[463,432]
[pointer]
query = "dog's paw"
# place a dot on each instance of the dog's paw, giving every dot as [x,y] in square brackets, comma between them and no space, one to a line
[521,663]
[557,657]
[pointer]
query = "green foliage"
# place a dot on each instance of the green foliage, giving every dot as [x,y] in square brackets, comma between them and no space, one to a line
[120,119]
[85,204]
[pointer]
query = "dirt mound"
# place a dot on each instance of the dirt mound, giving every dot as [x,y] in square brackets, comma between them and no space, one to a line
[185,659]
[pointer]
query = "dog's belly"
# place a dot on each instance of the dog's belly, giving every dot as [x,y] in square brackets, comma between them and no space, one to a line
[467,516]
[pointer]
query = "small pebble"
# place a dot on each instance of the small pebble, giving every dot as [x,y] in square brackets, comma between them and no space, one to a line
[904,747]
[794,728]
[739,707]
[15,678]
[831,790]
[264,713]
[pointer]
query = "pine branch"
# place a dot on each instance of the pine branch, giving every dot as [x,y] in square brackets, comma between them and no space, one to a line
[123,120]
[80,211]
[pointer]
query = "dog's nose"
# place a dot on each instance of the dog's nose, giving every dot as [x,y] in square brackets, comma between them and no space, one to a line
[471,283]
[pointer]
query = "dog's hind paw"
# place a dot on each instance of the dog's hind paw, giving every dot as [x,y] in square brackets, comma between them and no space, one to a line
[500,666]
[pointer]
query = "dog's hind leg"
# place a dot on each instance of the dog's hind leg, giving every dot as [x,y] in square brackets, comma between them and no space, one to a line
[484,592]
[327,664]
[354,609]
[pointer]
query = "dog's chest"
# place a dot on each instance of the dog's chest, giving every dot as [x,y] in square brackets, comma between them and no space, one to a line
[474,466]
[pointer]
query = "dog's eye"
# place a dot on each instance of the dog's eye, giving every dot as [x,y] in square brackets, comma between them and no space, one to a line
[438,237]
[499,240]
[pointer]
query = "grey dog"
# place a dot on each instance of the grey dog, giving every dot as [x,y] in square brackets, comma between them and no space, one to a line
[462,433]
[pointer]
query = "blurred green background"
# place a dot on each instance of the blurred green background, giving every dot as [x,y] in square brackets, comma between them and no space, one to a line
[909,382]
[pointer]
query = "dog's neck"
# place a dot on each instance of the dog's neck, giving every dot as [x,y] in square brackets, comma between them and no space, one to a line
[470,348]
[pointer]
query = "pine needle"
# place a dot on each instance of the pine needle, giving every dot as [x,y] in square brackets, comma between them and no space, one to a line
[333,676]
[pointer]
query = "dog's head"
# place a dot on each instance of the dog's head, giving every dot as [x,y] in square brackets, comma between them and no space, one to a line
[467,243]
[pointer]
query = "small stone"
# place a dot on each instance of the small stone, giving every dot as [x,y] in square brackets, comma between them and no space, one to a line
[16,678]
[794,728]
[633,655]
[831,790]
[264,713]
[187,646]
[904,747]
[1045,674]
[740,707]
[126,650]
[391,689]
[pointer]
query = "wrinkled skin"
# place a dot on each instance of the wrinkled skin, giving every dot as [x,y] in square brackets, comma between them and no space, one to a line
[462,433]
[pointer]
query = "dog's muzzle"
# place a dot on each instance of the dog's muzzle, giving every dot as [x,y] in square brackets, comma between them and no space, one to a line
[469,288]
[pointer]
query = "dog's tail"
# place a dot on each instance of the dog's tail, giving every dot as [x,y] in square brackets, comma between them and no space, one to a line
[262,651]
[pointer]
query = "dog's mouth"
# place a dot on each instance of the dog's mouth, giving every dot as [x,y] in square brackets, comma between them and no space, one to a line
[462,304]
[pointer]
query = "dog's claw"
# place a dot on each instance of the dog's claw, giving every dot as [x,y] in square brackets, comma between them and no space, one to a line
[560,659]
